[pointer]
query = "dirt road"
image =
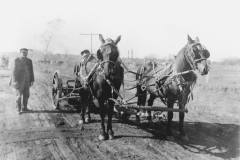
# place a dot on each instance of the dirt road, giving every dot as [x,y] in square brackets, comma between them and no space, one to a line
[48,134]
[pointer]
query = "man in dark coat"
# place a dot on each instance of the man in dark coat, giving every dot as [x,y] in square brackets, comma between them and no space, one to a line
[22,78]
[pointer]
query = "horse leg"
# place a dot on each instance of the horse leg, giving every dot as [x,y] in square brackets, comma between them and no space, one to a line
[183,135]
[109,125]
[82,113]
[88,118]
[141,102]
[103,135]
[137,120]
[170,104]
[150,103]
[82,101]
[142,96]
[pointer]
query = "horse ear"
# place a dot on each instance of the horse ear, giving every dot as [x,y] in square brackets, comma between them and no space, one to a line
[197,39]
[190,41]
[117,40]
[99,55]
[101,39]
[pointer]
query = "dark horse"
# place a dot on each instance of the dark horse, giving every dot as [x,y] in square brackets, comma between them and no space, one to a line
[174,82]
[103,76]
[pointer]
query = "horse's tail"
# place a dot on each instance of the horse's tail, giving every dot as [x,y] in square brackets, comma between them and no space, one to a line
[141,91]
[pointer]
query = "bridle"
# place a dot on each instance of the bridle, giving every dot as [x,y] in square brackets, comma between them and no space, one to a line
[190,55]
[102,70]
[107,61]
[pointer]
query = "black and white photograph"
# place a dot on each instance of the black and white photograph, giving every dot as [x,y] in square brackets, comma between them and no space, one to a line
[119,80]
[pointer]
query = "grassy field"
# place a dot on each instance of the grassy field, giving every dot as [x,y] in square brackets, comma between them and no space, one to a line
[222,92]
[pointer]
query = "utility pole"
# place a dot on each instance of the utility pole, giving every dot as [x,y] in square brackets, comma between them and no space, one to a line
[91,37]
[132,54]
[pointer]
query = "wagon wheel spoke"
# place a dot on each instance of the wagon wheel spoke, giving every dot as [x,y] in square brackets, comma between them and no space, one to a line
[56,90]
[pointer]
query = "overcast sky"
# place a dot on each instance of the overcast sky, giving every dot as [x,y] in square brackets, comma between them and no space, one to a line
[150,27]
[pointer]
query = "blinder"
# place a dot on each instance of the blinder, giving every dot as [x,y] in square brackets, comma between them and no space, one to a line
[107,49]
[99,54]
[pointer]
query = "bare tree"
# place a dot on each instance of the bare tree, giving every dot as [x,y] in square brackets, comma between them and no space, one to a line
[50,35]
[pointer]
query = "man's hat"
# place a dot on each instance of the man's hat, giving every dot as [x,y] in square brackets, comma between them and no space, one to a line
[23,50]
[85,51]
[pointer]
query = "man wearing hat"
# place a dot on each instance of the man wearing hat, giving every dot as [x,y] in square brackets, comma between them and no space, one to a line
[22,78]
[80,62]
[85,52]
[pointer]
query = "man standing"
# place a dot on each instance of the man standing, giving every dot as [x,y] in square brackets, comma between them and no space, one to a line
[22,79]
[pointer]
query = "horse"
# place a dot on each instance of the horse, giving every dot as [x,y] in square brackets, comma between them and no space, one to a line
[173,83]
[101,79]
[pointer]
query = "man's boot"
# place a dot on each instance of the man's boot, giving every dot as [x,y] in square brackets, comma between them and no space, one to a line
[19,108]
[25,102]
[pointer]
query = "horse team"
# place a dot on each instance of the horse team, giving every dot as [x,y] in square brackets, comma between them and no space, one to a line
[101,77]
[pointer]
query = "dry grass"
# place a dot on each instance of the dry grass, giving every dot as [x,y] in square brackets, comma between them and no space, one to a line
[222,92]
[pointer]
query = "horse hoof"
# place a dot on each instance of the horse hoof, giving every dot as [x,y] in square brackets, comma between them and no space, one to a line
[111,137]
[170,138]
[185,138]
[101,137]
[87,120]
[81,122]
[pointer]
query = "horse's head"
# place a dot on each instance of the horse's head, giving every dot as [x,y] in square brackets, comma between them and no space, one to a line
[108,53]
[197,55]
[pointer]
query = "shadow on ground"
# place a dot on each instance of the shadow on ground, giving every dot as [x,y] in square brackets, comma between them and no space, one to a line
[216,139]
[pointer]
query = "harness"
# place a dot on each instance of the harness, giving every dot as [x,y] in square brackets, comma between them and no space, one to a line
[98,70]
[163,79]
[83,63]
[190,56]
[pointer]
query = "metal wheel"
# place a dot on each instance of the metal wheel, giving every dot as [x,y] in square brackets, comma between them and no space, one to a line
[56,90]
